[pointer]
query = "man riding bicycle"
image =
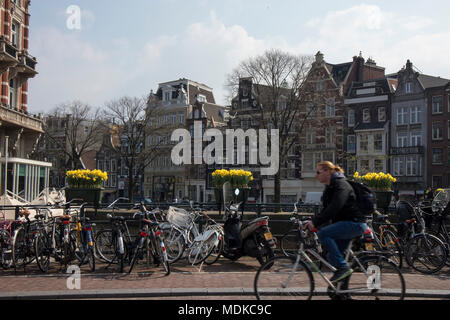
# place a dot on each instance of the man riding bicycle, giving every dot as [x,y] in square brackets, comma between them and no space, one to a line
[340,219]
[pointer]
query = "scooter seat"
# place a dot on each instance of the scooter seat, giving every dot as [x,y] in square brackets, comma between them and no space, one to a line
[246,223]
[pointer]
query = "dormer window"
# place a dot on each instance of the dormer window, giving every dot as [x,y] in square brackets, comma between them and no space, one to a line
[408,87]
[201,98]
[167,95]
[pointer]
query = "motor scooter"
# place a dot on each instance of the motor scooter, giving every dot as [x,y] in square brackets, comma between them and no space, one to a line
[245,238]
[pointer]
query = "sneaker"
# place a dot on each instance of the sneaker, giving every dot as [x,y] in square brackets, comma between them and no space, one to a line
[341,274]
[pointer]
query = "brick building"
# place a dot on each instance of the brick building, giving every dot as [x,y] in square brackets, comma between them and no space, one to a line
[26,177]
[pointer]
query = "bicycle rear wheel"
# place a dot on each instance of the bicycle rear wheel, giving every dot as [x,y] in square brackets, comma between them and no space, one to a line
[283,278]
[216,252]
[426,253]
[42,250]
[374,277]
[200,250]
[6,252]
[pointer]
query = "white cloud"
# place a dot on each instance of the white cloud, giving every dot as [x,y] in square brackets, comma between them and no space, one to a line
[389,38]
[206,51]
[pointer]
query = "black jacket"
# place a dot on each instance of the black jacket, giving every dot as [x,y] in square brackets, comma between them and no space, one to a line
[339,203]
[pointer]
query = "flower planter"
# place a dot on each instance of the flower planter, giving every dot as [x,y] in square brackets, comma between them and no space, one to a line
[383,198]
[92,196]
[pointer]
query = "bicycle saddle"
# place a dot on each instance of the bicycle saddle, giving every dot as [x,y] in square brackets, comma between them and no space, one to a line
[149,222]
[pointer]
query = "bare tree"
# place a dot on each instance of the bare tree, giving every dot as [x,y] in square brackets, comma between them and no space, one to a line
[78,134]
[277,82]
[131,116]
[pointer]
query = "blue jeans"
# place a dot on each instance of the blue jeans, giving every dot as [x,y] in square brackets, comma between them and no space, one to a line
[335,238]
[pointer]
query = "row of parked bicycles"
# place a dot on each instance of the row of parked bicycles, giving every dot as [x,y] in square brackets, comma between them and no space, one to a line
[151,237]
[159,238]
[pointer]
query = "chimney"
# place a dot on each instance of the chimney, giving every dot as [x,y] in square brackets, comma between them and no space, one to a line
[319,57]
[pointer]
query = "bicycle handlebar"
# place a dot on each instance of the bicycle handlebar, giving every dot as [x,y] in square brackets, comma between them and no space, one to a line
[114,202]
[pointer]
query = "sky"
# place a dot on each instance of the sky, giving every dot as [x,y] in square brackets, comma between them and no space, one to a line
[126,48]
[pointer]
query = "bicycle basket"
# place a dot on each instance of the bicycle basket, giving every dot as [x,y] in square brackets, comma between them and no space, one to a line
[179,217]
[440,200]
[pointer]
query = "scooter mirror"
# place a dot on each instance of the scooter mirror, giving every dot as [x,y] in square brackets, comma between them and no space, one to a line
[236,191]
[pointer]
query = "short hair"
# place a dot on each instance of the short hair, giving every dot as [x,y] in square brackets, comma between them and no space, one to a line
[330,166]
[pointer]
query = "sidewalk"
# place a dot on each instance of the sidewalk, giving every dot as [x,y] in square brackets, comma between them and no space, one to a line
[226,278]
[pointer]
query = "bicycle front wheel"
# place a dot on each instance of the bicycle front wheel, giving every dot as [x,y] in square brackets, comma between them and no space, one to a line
[374,277]
[105,245]
[284,278]
[426,253]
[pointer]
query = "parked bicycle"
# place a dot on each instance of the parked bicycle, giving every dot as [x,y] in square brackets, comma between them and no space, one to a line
[83,237]
[193,233]
[149,242]
[423,251]
[374,276]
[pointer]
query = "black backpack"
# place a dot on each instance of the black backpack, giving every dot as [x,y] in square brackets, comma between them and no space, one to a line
[365,197]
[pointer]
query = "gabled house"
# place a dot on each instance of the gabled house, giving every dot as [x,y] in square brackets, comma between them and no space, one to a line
[366,126]
[324,112]
[412,121]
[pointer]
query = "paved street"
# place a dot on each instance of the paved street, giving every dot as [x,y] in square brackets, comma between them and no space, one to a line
[223,280]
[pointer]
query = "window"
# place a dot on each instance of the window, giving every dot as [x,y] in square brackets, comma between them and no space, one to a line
[416,115]
[408,87]
[15,37]
[448,107]
[330,110]
[351,167]
[351,143]
[437,156]
[364,166]
[402,115]
[366,115]
[311,136]
[378,142]
[167,95]
[201,98]
[437,181]
[174,118]
[282,105]
[416,139]
[381,114]
[399,169]
[411,166]
[437,102]
[308,162]
[402,139]
[448,159]
[12,93]
[181,117]
[330,134]
[437,130]
[351,118]
[448,129]
[378,165]
[320,85]
[310,110]
[363,142]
